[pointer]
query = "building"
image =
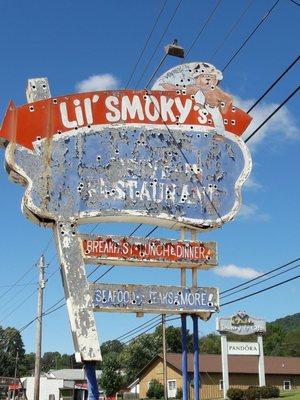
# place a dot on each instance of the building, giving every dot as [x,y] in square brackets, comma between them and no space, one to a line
[283,372]
[63,384]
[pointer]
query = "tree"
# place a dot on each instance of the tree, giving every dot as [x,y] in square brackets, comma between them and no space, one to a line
[210,344]
[111,379]
[173,339]
[50,360]
[156,390]
[112,346]
[11,345]
[138,354]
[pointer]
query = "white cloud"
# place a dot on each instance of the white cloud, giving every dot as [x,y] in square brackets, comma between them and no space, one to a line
[252,184]
[250,211]
[282,123]
[233,271]
[97,82]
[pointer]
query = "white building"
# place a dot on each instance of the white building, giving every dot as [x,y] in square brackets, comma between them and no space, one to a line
[63,384]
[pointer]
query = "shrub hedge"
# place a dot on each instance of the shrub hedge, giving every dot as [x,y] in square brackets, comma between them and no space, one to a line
[253,393]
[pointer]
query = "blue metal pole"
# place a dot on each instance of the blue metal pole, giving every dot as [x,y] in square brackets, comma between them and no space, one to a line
[196,358]
[184,358]
[90,370]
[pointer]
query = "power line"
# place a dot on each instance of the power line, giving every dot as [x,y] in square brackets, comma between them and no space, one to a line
[159,42]
[260,291]
[203,27]
[273,84]
[273,113]
[261,276]
[231,29]
[146,43]
[264,18]
[262,281]
[145,323]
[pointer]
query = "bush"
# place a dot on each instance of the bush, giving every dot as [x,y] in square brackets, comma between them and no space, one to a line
[179,393]
[156,390]
[269,392]
[252,393]
[235,394]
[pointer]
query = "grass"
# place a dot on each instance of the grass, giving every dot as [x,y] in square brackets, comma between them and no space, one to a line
[290,394]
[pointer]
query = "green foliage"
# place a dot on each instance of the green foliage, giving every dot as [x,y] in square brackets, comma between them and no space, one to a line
[156,390]
[11,345]
[173,339]
[252,393]
[269,392]
[210,344]
[235,394]
[111,379]
[112,346]
[179,393]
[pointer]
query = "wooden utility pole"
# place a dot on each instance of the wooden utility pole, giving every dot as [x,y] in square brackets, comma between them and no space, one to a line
[38,337]
[163,323]
[15,375]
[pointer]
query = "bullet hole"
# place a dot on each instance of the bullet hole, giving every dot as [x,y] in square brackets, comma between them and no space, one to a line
[86,252]
[98,158]
[59,132]
[38,138]
[31,108]
[179,293]
[184,92]
[233,109]
[113,191]
[60,225]
[233,122]
[54,101]
[133,301]
[103,300]
[178,91]
[222,104]
[44,86]
[212,87]
[192,127]
[210,304]
[177,84]
[137,193]
[176,303]
[108,192]
[62,232]
[209,121]
[150,301]
[117,151]
[225,121]
[73,233]
[145,97]
[205,112]
[154,180]
[33,87]
[76,127]
[89,126]
[198,135]
[192,96]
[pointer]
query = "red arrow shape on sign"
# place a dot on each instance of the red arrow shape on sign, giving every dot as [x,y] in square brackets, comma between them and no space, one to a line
[46,118]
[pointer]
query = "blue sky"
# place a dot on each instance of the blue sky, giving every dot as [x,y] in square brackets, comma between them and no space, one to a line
[71,41]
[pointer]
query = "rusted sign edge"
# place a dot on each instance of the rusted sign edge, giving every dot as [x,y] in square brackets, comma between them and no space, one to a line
[135,251]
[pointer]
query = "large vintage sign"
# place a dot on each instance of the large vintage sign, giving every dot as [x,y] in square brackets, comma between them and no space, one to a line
[241,324]
[154,299]
[243,348]
[170,156]
[149,252]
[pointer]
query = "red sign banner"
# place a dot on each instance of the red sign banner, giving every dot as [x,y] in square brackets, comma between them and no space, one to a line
[148,252]
[46,118]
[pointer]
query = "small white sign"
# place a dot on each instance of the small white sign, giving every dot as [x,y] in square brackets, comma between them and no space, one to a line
[243,348]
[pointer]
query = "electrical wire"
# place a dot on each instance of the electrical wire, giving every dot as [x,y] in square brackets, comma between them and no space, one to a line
[203,27]
[274,83]
[261,276]
[260,291]
[158,43]
[146,43]
[262,281]
[273,113]
[231,29]
[264,18]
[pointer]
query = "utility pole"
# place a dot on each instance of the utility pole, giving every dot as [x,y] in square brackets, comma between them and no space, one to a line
[163,323]
[38,337]
[15,375]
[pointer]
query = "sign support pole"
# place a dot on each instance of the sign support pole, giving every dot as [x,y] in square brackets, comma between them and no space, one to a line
[261,362]
[163,323]
[184,335]
[224,365]
[90,370]
[195,334]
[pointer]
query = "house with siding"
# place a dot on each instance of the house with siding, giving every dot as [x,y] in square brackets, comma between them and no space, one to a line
[283,372]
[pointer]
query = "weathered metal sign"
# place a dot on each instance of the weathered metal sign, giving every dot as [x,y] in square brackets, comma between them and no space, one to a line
[170,156]
[154,299]
[241,324]
[155,156]
[243,348]
[148,252]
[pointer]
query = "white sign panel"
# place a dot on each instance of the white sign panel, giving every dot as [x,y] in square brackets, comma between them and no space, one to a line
[243,348]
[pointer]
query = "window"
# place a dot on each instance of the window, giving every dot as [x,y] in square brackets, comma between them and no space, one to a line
[172,385]
[221,384]
[287,385]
